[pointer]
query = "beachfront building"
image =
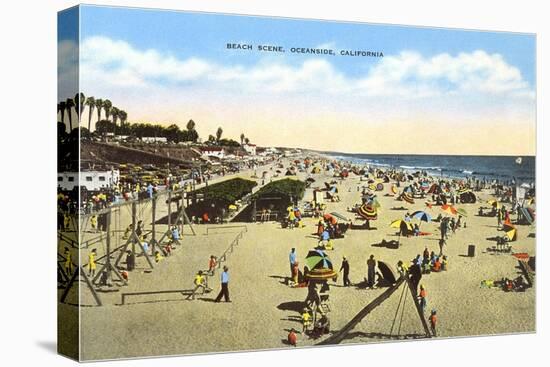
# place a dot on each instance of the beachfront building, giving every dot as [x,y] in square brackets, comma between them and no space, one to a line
[91,180]
[217,152]
[250,148]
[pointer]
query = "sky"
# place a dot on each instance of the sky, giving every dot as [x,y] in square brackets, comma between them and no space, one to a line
[435,91]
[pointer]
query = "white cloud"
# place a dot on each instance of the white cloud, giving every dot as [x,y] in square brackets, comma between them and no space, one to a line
[408,75]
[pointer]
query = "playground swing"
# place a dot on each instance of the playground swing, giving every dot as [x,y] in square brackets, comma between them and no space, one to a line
[340,335]
[133,239]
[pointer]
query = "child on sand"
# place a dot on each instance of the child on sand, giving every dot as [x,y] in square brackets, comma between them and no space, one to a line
[68,262]
[422,298]
[292,337]
[93,222]
[201,282]
[158,256]
[433,322]
[306,320]
[212,264]
[91,262]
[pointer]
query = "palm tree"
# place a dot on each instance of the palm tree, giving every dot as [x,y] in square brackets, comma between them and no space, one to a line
[123,117]
[219,133]
[114,113]
[191,125]
[80,100]
[69,103]
[98,106]
[246,140]
[107,107]
[90,102]
[61,106]
[242,138]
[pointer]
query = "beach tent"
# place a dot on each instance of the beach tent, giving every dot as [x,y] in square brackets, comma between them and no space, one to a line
[511,231]
[467,196]
[387,272]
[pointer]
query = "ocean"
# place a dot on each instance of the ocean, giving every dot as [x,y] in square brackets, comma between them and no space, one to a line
[504,168]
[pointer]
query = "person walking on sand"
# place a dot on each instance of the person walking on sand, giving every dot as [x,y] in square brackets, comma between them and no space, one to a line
[443,228]
[225,286]
[345,268]
[292,257]
[371,271]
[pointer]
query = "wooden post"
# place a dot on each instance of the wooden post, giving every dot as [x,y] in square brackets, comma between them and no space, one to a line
[154,219]
[134,223]
[108,242]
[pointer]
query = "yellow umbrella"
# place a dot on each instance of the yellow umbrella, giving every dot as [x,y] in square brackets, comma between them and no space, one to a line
[495,203]
[232,207]
[512,234]
[400,222]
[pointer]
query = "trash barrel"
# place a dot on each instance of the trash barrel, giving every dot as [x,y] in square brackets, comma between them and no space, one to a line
[471,250]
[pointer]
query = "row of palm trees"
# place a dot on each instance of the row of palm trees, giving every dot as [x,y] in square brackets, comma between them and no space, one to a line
[78,103]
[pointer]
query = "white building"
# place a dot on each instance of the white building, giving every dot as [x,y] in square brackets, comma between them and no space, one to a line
[217,152]
[250,148]
[92,180]
[153,139]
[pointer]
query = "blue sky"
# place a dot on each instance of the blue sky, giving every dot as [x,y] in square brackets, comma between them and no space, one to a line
[168,31]
[167,67]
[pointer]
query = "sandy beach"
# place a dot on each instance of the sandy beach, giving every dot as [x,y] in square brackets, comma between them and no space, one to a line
[264,308]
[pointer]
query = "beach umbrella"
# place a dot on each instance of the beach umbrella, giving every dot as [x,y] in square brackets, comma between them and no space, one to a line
[422,216]
[232,207]
[394,189]
[462,212]
[494,203]
[367,212]
[379,186]
[406,196]
[319,265]
[510,230]
[449,209]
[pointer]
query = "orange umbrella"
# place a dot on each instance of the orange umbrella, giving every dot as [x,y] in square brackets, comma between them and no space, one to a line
[449,209]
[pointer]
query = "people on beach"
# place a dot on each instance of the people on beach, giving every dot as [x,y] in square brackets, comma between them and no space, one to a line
[212,263]
[345,268]
[422,297]
[201,283]
[292,338]
[292,258]
[224,291]
[175,233]
[158,257]
[306,320]
[91,262]
[371,272]
[433,322]
[68,262]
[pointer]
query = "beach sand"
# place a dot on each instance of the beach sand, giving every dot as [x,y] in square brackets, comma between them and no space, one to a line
[264,308]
